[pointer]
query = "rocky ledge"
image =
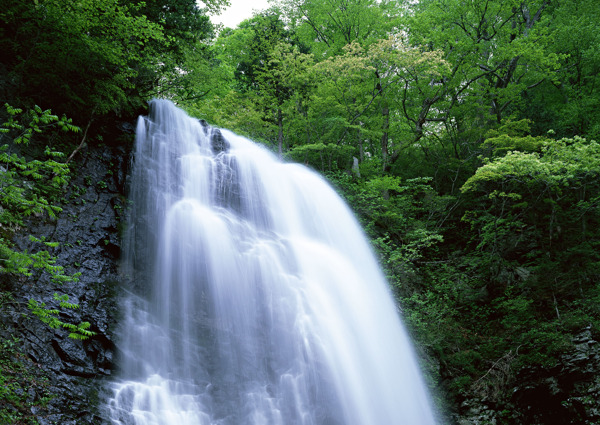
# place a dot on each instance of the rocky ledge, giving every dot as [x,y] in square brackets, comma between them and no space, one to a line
[566,394]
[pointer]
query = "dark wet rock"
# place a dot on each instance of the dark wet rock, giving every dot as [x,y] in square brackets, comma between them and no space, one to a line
[88,230]
[218,142]
[568,393]
[126,127]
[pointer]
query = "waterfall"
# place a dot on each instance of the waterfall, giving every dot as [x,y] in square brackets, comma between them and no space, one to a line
[258,300]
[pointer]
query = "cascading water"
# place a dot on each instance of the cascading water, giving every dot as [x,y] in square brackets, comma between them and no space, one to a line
[264,303]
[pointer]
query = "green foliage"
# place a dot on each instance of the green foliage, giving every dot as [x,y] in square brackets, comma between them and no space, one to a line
[29,188]
[533,218]
[28,185]
[401,217]
[567,103]
[329,26]
[87,56]
[50,316]
[18,377]
[557,187]
[182,21]
[497,51]
[325,158]
[513,136]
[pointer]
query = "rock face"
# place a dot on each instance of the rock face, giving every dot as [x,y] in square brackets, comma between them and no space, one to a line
[88,232]
[568,393]
[218,142]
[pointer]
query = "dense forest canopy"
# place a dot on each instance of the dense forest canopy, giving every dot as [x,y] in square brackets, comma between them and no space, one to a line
[474,124]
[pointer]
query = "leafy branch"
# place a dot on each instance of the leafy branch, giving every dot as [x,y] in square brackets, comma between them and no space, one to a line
[50,316]
[27,188]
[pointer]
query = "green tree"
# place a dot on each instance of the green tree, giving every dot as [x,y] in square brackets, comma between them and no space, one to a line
[567,103]
[538,211]
[184,65]
[351,102]
[255,58]
[496,50]
[83,56]
[329,25]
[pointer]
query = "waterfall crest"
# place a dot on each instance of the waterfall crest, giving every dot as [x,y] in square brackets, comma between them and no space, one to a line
[262,302]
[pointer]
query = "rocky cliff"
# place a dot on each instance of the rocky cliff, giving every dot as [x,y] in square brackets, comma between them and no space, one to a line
[568,393]
[59,380]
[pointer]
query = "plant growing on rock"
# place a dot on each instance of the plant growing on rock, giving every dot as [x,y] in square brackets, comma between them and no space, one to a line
[29,188]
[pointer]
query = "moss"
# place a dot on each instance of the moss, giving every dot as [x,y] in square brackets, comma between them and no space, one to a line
[24,391]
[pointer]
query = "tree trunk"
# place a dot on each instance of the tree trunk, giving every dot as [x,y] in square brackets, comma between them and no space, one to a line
[280,132]
[361,150]
[385,112]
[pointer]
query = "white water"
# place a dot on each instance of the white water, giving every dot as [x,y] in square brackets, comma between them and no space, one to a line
[264,304]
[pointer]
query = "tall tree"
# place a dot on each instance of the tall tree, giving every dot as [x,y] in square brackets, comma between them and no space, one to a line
[81,56]
[496,49]
[257,55]
[355,88]
[93,57]
[329,25]
[568,102]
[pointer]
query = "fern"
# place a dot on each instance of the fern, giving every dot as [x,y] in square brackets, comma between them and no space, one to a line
[50,316]
[28,187]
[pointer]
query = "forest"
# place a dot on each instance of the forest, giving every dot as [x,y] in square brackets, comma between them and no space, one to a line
[461,132]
